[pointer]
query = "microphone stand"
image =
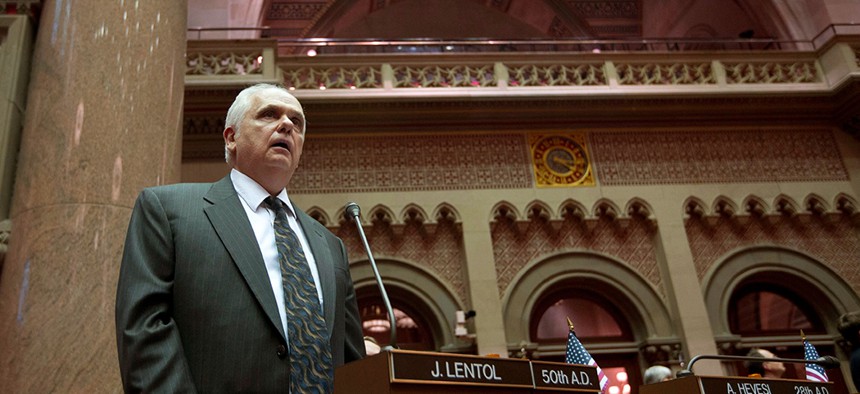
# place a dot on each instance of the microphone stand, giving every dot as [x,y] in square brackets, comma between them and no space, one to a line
[352,210]
[828,362]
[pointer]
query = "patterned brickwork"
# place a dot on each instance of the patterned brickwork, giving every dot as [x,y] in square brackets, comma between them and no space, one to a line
[437,248]
[411,163]
[625,9]
[516,244]
[831,239]
[724,157]
[294,11]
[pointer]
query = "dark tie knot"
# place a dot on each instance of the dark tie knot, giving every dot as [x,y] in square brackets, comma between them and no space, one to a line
[275,204]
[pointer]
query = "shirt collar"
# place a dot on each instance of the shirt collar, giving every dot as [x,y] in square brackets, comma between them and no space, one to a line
[254,194]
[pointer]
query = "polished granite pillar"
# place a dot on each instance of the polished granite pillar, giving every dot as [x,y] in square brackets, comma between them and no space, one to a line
[103,120]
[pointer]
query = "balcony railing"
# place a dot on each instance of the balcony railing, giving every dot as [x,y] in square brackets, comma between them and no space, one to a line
[476,67]
[293,46]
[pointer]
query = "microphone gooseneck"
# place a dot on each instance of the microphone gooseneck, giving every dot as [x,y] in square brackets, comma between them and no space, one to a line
[828,362]
[353,211]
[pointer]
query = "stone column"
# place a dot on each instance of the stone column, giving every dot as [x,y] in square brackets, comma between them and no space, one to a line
[103,120]
[483,285]
[682,282]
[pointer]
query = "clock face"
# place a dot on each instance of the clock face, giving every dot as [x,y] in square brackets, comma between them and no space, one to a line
[560,160]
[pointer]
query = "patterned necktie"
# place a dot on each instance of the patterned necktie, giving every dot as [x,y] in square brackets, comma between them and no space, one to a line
[310,356]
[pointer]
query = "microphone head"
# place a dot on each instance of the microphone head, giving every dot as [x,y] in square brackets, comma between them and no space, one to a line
[828,362]
[352,210]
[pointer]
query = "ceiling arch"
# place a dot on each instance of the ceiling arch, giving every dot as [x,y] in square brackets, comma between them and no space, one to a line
[517,19]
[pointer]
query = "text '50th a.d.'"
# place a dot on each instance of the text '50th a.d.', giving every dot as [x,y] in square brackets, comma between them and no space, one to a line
[560,377]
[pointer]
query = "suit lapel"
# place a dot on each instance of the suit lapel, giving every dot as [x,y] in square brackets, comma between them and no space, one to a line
[325,265]
[230,221]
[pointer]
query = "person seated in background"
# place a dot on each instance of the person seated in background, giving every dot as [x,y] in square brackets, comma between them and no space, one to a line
[849,327]
[765,369]
[657,374]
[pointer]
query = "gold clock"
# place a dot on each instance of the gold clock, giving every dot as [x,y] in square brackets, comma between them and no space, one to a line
[560,160]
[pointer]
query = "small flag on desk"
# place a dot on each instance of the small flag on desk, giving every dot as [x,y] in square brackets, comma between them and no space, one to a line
[576,354]
[814,372]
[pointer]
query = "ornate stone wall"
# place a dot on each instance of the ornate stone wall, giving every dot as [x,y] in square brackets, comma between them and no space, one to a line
[518,243]
[830,237]
[731,156]
[413,163]
[436,247]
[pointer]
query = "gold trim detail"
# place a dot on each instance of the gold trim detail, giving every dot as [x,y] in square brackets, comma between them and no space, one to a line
[561,160]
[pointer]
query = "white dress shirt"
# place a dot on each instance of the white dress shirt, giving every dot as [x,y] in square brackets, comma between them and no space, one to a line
[262,221]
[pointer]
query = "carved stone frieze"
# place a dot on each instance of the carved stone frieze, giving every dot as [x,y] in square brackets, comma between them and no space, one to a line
[436,247]
[828,237]
[771,72]
[293,11]
[517,243]
[666,74]
[723,157]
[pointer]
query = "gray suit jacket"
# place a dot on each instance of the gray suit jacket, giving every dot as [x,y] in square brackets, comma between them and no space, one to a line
[195,310]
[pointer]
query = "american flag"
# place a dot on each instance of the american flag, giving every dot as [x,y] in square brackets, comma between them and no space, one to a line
[576,354]
[814,372]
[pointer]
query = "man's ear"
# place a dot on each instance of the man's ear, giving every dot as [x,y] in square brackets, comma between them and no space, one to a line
[230,138]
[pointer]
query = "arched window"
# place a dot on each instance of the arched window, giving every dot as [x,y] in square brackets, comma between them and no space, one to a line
[759,309]
[771,316]
[413,329]
[596,320]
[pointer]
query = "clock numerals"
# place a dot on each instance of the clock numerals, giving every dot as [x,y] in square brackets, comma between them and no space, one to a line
[560,161]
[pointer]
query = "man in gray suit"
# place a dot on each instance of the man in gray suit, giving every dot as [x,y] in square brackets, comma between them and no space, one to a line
[202,301]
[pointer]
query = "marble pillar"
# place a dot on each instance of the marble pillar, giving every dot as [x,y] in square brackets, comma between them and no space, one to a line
[103,120]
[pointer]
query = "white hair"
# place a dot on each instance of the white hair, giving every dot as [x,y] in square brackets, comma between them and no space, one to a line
[656,374]
[240,106]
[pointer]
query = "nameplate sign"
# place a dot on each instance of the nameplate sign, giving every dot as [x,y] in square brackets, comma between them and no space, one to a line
[565,377]
[717,385]
[441,368]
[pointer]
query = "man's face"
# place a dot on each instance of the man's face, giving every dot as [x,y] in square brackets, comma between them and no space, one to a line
[773,367]
[270,136]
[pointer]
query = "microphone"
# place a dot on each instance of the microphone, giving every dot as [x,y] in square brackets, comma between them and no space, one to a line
[353,211]
[828,362]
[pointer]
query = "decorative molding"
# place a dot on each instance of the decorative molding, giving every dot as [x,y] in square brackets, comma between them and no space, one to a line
[771,72]
[293,11]
[437,247]
[666,74]
[203,125]
[520,239]
[617,30]
[828,237]
[282,32]
[716,157]
[585,74]
[606,9]
[333,77]
[444,76]
[225,63]
[412,163]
